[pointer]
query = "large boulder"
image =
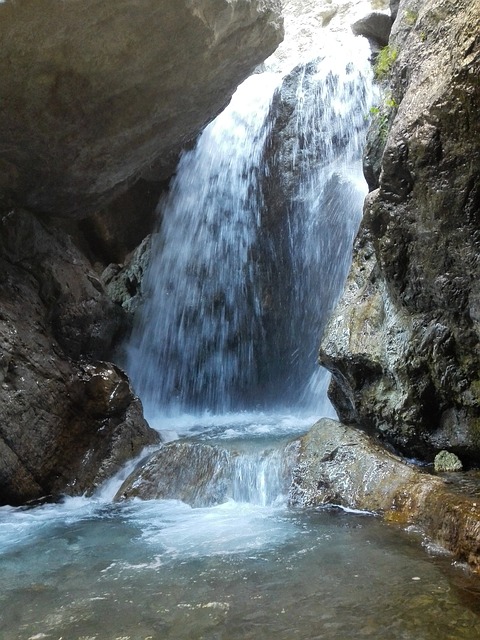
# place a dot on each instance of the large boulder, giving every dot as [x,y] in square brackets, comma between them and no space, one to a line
[64,426]
[192,472]
[403,344]
[340,465]
[95,93]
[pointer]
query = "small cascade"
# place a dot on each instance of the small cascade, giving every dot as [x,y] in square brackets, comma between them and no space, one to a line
[254,245]
[262,477]
[203,475]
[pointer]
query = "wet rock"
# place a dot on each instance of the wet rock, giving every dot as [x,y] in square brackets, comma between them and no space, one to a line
[191,472]
[447,461]
[64,427]
[342,465]
[403,343]
[108,91]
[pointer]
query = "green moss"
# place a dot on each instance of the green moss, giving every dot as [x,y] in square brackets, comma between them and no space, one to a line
[384,62]
[474,431]
[410,17]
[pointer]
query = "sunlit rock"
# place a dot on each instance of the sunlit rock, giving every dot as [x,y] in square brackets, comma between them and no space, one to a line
[340,465]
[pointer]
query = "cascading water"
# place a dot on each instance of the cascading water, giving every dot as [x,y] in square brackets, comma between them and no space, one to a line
[254,244]
[194,344]
[247,263]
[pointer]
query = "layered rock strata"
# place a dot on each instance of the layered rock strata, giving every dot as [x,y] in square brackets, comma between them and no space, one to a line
[403,344]
[341,465]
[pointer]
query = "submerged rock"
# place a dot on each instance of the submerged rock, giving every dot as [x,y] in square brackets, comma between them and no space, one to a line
[107,91]
[403,343]
[342,465]
[191,472]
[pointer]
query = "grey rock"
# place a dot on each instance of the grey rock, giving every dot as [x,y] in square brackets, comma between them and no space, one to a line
[447,461]
[124,283]
[375,27]
[105,92]
[191,472]
[403,342]
[394,6]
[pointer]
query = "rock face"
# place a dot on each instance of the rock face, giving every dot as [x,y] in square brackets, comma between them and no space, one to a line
[102,92]
[341,465]
[403,344]
[63,426]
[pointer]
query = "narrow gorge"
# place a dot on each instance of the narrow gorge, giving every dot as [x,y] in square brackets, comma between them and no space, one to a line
[239,319]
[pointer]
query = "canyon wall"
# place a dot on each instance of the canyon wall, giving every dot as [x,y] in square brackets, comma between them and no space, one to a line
[403,343]
[94,95]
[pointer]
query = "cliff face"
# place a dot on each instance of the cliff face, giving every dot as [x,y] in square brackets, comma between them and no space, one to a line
[403,343]
[93,93]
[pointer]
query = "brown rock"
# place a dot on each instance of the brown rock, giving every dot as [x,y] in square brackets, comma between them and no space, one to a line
[341,465]
[63,427]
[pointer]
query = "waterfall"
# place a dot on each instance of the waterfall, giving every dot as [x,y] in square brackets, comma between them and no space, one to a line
[254,245]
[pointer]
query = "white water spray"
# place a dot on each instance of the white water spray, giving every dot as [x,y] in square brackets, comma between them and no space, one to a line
[235,301]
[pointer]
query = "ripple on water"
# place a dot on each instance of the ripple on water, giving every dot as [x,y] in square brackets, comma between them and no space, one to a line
[163,570]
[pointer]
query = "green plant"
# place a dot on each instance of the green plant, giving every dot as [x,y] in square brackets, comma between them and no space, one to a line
[410,17]
[384,62]
[382,115]
[390,102]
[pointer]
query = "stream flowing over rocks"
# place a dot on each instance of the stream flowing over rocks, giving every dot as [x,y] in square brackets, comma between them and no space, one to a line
[92,128]
[180,202]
